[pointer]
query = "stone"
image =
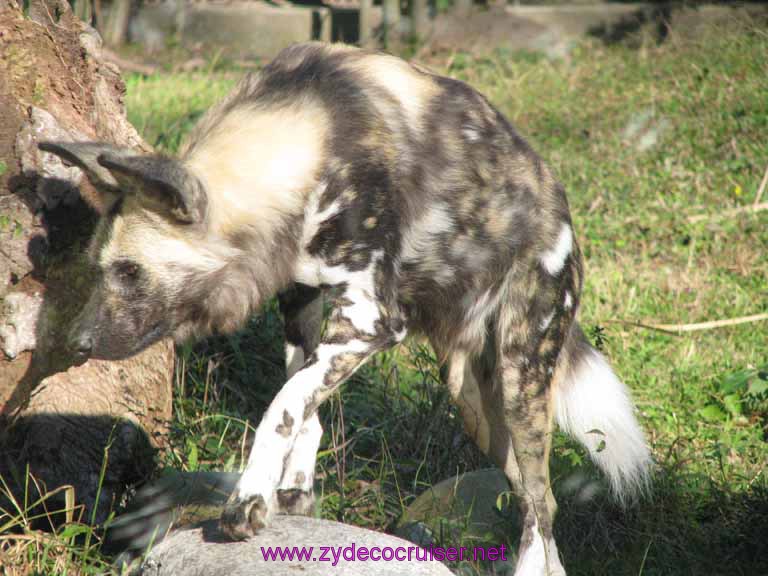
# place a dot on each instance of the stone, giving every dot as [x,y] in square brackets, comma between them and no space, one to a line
[462,508]
[154,24]
[18,321]
[471,509]
[553,30]
[204,551]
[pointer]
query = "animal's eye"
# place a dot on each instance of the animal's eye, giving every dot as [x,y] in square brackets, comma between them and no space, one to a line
[127,270]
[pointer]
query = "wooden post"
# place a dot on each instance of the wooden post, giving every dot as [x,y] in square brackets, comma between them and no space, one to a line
[365,23]
[463,7]
[419,19]
[116,28]
[391,9]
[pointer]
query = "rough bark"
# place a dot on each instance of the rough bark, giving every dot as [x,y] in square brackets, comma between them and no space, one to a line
[57,418]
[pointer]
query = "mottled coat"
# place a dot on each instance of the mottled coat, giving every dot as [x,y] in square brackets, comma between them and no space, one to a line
[412,205]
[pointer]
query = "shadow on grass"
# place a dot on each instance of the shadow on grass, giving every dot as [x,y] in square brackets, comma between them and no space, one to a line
[99,455]
[655,18]
[677,530]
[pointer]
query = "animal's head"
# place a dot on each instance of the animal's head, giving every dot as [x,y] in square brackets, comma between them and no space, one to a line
[147,248]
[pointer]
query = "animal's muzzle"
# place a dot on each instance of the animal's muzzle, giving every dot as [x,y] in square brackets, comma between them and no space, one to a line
[81,346]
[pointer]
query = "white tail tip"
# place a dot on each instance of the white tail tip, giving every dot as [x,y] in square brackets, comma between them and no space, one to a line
[594,406]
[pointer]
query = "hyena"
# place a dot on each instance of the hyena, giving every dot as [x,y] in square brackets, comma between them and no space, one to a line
[408,202]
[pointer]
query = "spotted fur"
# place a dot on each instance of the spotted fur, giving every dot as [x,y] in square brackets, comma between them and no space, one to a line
[407,202]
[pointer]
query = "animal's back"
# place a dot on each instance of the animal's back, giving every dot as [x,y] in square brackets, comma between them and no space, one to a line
[420,167]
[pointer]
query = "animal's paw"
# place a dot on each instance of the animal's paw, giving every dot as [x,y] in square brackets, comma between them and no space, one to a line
[244,517]
[296,502]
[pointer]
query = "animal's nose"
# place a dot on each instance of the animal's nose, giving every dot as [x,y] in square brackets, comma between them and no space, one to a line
[82,345]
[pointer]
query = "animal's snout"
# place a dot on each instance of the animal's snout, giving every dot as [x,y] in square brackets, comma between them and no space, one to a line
[81,345]
[83,335]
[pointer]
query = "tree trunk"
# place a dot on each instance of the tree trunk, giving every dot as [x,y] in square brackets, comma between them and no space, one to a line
[58,419]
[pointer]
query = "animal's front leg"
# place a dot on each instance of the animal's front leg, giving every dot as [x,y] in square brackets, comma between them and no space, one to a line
[295,495]
[302,309]
[253,501]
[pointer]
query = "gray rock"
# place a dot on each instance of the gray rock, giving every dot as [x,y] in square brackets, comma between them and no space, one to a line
[238,29]
[465,511]
[462,508]
[154,23]
[204,551]
[18,322]
[253,28]
[175,499]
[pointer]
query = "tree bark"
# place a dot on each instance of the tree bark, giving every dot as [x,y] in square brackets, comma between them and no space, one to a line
[59,421]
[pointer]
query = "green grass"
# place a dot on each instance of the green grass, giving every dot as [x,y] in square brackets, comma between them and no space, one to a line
[164,107]
[702,398]
[72,548]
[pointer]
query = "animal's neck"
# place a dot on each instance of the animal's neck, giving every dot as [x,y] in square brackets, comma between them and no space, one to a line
[258,166]
[252,268]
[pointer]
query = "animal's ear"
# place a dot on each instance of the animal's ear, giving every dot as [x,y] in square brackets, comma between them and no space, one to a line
[164,180]
[85,155]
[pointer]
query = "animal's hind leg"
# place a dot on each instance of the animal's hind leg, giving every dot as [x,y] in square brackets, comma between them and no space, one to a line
[527,352]
[516,436]
[302,309]
[465,393]
[525,409]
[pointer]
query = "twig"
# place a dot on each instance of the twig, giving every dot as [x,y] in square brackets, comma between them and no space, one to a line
[678,328]
[733,212]
[595,204]
[336,449]
[760,190]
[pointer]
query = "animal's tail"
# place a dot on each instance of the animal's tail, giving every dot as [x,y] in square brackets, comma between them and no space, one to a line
[594,406]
